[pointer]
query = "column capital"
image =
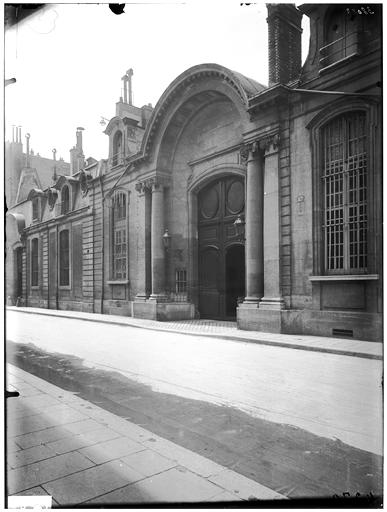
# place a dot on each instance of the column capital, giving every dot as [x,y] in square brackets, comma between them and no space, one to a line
[270,144]
[249,151]
[157,183]
[259,147]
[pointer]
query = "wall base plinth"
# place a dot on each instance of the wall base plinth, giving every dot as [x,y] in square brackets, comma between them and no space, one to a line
[346,324]
[254,319]
[163,311]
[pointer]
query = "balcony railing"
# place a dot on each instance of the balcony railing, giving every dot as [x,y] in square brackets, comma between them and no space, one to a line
[116,159]
[340,49]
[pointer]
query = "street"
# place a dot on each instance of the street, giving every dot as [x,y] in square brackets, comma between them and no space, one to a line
[302,423]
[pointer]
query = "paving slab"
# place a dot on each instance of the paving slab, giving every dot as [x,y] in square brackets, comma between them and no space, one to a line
[110,450]
[177,485]
[148,462]
[83,486]
[29,456]
[243,487]
[35,474]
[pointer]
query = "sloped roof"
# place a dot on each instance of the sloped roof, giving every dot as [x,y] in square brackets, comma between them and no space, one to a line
[45,169]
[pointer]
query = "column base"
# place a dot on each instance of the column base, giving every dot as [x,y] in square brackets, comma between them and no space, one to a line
[158,297]
[141,297]
[272,303]
[251,302]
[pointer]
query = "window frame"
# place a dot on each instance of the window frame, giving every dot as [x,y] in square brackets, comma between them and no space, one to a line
[117,155]
[69,267]
[36,209]
[123,228]
[350,39]
[336,109]
[64,211]
[34,272]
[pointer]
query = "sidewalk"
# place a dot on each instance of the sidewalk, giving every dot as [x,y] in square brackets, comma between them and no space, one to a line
[63,446]
[228,330]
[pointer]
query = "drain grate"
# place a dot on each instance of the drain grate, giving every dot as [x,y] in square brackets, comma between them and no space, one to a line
[345,333]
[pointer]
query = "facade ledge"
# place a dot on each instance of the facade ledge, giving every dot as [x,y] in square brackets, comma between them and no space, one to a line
[346,277]
[118,281]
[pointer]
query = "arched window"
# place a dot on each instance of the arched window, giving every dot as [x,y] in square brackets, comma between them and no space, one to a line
[65,195]
[344,166]
[34,262]
[341,33]
[117,148]
[64,258]
[119,246]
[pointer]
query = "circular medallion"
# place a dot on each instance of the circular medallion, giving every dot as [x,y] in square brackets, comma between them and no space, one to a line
[235,197]
[209,203]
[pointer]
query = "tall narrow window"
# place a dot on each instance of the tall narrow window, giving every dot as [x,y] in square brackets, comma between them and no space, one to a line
[36,209]
[34,262]
[119,236]
[65,196]
[117,148]
[345,193]
[64,258]
[341,36]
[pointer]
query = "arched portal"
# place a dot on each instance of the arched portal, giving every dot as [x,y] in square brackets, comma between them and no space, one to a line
[221,258]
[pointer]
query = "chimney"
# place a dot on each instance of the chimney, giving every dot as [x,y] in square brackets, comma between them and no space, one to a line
[79,139]
[27,149]
[54,175]
[129,75]
[285,31]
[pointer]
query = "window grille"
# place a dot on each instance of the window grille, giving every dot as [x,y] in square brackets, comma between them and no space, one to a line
[34,262]
[181,281]
[64,258]
[119,269]
[345,194]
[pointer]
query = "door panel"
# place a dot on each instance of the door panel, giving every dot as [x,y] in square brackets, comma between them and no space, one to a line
[219,204]
[210,277]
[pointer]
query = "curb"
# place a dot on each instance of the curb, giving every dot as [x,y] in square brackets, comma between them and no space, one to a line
[281,344]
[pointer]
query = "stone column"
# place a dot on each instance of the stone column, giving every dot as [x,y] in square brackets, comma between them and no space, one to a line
[157,246]
[272,224]
[141,222]
[254,226]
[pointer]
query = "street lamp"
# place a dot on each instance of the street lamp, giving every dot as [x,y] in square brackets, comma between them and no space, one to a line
[166,240]
[239,225]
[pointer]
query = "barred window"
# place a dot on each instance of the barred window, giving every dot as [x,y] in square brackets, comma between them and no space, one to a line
[345,193]
[65,196]
[34,262]
[119,236]
[181,281]
[64,258]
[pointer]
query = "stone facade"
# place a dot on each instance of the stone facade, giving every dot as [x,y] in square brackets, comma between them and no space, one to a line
[152,230]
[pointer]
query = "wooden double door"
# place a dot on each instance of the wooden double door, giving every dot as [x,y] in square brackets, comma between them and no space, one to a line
[221,253]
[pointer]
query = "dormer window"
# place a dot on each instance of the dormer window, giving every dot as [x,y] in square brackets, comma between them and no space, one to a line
[65,195]
[340,36]
[117,148]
